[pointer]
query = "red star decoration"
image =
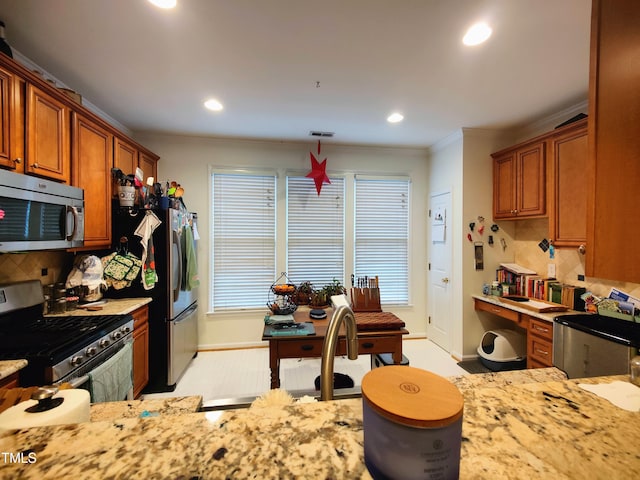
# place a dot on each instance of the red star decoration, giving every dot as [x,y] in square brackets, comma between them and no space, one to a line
[318,171]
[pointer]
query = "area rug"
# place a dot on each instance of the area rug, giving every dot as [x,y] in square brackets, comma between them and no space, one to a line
[473,366]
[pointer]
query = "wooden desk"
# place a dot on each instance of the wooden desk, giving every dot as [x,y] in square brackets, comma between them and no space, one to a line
[310,346]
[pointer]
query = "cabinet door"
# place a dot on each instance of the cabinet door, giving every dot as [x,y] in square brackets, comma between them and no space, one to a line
[504,186]
[531,183]
[48,138]
[125,156]
[92,158]
[614,143]
[568,184]
[140,350]
[11,122]
[148,163]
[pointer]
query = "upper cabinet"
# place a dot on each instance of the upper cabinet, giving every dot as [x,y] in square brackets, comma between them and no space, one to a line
[128,156]
[92,157]
[46,133]
[47,136]
[567,193]
[11,122]
[148,162]
[614,142]
[519,184]
[125,156]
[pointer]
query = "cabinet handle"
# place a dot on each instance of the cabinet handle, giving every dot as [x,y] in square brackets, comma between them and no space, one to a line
[496,310]
[17,161]
[541,329]
[582,249]
[307,348]
[35,165]
[541,351]
[367,345]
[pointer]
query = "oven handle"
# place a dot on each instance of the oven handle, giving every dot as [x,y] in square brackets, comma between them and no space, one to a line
[76,382]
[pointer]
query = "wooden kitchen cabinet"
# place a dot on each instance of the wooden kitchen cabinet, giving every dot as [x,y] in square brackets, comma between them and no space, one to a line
[11,121]
[539,343]
[148,162]
[519,183]
[125,156]
[140,349]
[567,165]
[47,136]
[614,143]
[92,157]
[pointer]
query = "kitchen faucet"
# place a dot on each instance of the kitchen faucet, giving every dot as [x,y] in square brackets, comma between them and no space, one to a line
[342,313]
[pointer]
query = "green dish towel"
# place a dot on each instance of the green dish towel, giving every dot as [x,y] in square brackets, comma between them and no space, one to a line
[191,274]
[111,381]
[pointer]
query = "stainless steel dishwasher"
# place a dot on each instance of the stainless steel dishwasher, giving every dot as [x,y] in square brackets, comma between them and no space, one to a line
[588,345]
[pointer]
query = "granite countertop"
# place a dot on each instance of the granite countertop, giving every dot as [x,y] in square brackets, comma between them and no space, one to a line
[549,429]
[110,411]
[113,306]
[543,316]
[9,367]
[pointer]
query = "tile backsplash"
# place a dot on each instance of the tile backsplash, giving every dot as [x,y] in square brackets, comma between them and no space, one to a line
[569,262]
[16,267]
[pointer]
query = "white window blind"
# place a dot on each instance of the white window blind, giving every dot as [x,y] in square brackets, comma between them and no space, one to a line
[315,231]
[244,237]
[382,236]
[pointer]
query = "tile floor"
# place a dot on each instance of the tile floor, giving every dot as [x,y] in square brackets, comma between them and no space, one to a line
[245,373]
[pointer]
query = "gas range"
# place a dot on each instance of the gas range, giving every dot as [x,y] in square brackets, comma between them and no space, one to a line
[57,348]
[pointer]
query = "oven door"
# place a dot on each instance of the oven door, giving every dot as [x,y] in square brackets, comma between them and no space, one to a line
[109,376]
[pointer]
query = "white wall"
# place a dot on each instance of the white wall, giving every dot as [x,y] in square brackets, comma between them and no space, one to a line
[461,164]
[188,160]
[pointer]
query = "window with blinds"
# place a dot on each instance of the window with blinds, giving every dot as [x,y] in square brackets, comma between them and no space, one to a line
[382,235]
[244,239]
[315,231]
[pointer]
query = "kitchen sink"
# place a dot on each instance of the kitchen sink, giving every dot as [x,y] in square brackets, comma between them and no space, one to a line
[245,402]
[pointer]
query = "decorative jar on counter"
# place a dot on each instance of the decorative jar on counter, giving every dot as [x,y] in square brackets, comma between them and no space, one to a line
[412,422]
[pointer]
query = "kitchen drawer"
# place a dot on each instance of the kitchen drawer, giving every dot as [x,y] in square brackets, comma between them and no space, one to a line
[140,316]
[540,351]
[541,329]
[312,347]
[497,310]
[300,348]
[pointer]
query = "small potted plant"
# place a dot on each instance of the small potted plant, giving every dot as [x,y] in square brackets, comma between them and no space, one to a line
[303,293]
[322,297]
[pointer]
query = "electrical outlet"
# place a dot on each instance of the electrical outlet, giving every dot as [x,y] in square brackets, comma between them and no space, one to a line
[581,278]
[551,270]
[44,272]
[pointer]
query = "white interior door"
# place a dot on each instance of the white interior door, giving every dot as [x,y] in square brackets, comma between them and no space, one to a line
[439,275]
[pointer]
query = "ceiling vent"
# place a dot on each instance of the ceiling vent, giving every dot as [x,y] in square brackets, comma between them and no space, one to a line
[314,133]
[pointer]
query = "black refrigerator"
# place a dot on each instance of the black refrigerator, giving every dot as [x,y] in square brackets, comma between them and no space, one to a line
[173,323]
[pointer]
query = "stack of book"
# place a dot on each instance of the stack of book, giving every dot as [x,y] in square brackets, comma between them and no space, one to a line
[528,283]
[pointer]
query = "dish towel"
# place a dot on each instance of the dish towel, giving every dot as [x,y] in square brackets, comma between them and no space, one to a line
[145,231]
[111,381]
[622,394]
[191,276]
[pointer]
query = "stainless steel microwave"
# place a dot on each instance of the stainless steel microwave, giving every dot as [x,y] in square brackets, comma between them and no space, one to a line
[38,214]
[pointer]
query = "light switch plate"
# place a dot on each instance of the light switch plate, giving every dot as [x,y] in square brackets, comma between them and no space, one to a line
[551,270]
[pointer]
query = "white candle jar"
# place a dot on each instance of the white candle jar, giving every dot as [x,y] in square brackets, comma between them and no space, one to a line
[412,422]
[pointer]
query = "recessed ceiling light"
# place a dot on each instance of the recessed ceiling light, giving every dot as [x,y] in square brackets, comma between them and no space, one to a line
[395,117]
[213,104]
[164,3]
[477,34]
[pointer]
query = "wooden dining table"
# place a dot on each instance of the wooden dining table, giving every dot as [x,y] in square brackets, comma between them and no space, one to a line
[377,333]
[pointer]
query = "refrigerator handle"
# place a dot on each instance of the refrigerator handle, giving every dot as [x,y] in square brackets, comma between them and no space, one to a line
[176,241]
